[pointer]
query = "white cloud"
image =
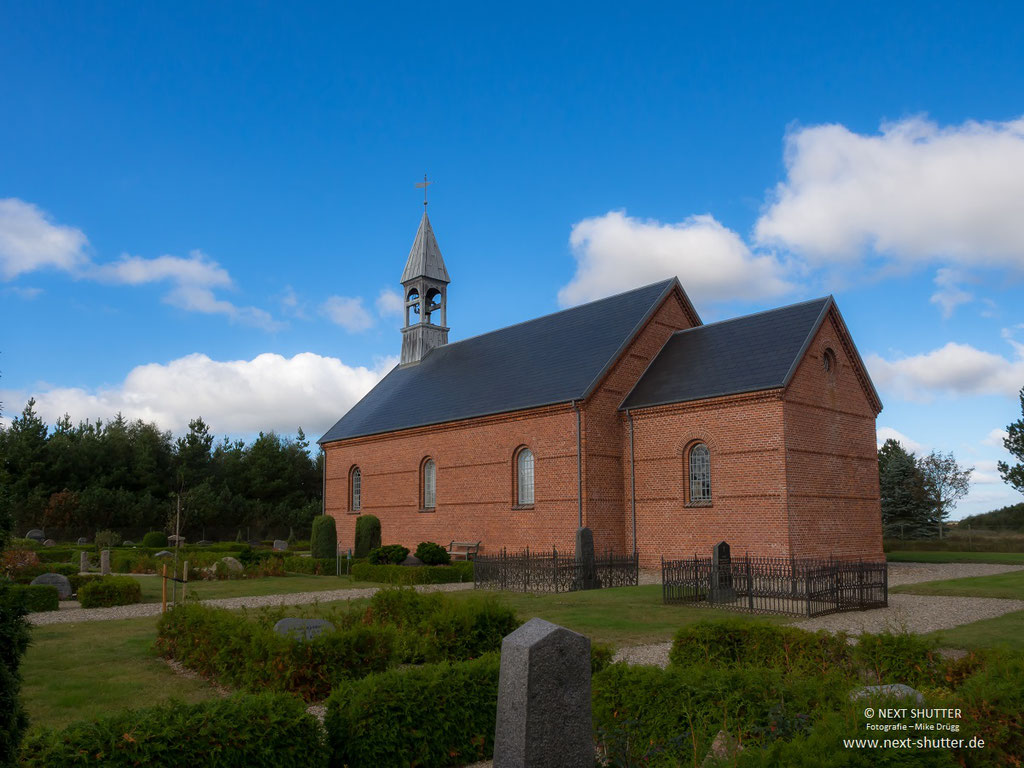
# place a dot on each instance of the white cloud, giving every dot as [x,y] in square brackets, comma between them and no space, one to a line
[996,437]
[915,192]
[954,369]
[348,312]
[21,292]
[616,252]
[269,392]
[30,241]
[949,294]
[888,433]
[986,473]
[389,303]
[291,305]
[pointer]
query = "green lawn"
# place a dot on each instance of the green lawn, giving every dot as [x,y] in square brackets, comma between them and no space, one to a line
[271,585]
[1002,558]
[81,671]
[1006,631]
[1006,585]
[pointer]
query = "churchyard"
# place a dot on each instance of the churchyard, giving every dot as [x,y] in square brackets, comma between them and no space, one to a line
[412,679]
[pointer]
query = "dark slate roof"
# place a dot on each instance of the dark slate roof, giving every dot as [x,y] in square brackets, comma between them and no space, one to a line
[553,359]
[745,354]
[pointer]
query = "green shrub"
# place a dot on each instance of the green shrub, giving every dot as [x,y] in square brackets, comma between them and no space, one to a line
[433,554]
[109,591]
[243,731]
[245,654]
[108,539]
[40,597]
[14,637]
[392,554]
[58,555]
[437,715]
[600,656]
[405,575]
[735,643]
[367,535]
[899,658]
[323,542]
[78,579]
[992,702]
[155,540]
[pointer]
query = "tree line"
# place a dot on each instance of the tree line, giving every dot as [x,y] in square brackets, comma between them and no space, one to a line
[131,476]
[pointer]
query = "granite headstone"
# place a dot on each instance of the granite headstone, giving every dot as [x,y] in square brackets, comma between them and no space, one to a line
[105,562]
[585,558]
[280,545]
[55,580]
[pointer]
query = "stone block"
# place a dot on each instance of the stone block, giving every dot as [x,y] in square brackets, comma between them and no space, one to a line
[280,545]
[544,718]
[104,562]
[55,580]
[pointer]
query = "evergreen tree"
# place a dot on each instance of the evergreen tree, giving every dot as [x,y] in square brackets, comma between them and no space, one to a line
[945,483]
[1014,443]
[905,507]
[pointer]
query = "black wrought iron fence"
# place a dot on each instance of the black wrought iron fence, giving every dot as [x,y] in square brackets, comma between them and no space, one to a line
[800,587]
[545,571]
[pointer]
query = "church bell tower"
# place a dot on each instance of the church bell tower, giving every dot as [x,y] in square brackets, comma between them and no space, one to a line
[425,286]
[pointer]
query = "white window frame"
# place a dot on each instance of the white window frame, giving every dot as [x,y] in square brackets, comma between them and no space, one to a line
[525,464]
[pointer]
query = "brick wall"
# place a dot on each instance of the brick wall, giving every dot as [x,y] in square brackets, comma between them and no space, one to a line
[748,479]
[832,460]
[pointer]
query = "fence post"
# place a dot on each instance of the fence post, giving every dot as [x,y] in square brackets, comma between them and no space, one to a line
[807,590]
[184,583]
[750,584]
[554,566]
[163,591]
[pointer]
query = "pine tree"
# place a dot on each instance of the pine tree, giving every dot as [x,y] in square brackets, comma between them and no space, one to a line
[905,508]
[1014,443]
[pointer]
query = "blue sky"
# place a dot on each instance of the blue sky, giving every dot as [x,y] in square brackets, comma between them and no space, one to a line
[203,203]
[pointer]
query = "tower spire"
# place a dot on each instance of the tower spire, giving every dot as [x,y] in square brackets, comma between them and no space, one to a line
[425,286]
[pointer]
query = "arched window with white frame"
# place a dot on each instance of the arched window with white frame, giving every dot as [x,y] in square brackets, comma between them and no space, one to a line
[700,474]
[524,477]
[429,484]
[355,486]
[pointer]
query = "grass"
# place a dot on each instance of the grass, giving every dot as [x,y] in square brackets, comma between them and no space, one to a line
[82,671]
[1006,631]
[1000,558]
[1005,585]
[271,585]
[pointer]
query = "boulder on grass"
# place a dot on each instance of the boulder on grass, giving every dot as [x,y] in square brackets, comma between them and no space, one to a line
[232,564]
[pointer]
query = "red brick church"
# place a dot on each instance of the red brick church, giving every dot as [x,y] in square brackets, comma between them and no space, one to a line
[627,415]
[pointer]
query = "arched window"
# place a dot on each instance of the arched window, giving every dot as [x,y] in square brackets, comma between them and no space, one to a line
[429,484]
[524,477]
[355,489]
[700,474]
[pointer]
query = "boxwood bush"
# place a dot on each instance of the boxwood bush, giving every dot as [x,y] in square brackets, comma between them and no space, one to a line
[367,535]
[155,539]
[405,575]
[392,554]
[435,715]
[109,591]
[244,731]
[323,541]
[433,554]
[316,566]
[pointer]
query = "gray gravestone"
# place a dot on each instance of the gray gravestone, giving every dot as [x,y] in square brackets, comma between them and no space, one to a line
[232,564]
[544,718]
[55,580]
[105,562]
[35,534]
[83,540]
[175,539]
[49,543]
[585,558]
[721,574]
[203,543]
[83,562]
[302,629]
[280,545]
[128,543]
[164,553]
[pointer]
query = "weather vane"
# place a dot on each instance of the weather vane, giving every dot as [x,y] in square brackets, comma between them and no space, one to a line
[424,184]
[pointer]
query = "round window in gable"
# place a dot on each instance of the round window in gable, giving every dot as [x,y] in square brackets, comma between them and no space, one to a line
[829,361]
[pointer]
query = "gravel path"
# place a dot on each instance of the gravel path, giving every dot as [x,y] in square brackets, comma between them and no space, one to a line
[73,615]
[914,613]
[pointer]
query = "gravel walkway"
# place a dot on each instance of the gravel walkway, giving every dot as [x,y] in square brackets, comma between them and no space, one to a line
[914,613]
[73,615]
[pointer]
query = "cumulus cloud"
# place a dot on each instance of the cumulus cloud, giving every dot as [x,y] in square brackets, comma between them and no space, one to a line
[348,312]
[389,303]
[996,437]
[29,240]
[986,473]
[888,433]
[269,392]
[950,294]
[616,252]
[915,192]
[954,369]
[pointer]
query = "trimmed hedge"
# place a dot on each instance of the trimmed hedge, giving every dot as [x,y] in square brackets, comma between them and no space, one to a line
[315,566]
[436,715]
[367,535]
[155,539]
[392,554]
[110,591]
[406,575]
[244,731]
[40,597]
[323,542]
[245,654]
[433,554]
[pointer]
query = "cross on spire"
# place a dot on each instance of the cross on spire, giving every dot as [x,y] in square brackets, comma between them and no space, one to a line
[424,184]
